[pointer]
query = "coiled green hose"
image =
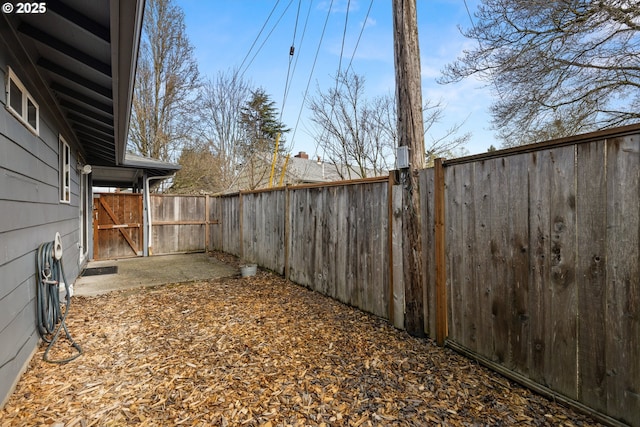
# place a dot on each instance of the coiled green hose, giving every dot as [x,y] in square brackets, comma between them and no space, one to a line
[51,317]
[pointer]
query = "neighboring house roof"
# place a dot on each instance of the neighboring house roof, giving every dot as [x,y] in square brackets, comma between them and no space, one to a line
[83,54]
[304,170]
[299,170]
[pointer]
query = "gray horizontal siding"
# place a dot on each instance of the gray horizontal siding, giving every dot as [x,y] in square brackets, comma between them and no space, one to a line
[15,273]
[20,215]
[30,214]
[14,366]
[18,330]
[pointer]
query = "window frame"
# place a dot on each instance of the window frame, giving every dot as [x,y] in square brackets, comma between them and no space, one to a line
[64,170]
[85,215]
[25,100]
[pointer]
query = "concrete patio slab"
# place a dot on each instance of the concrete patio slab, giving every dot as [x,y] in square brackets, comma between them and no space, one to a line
[152,271]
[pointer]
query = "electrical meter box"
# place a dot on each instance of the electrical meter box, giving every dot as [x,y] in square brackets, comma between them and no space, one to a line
[402,157]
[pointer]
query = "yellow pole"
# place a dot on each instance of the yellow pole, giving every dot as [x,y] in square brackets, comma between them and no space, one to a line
[273,163]
[284,169]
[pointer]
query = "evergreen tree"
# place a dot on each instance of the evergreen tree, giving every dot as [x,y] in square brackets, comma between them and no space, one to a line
[261,125]
[259,120]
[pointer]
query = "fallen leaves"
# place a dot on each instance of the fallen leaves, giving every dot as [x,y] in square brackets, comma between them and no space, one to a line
[259,351]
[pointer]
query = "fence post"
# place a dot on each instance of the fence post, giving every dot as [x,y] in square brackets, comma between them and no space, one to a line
[392,180]
[440,255]
[287,230]
[240,225]
[207,228]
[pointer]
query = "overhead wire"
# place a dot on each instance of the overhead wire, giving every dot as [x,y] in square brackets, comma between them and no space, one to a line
[290,70]
[344,36]
[291,55]
[364,24]
[240,69]
[258,36]
[297,57]
[313,66]
[267,38]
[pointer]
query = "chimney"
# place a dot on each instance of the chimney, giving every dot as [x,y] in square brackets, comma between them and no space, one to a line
[302,155]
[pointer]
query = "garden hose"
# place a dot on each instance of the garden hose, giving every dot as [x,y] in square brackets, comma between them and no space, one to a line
[51,317]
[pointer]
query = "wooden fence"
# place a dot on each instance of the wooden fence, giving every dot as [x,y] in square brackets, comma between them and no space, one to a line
[338,242]
[535,272]
[178,224]
[332,239]
[543,251]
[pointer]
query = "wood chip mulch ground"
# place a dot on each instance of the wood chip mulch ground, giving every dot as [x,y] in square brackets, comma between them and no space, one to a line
[259,351]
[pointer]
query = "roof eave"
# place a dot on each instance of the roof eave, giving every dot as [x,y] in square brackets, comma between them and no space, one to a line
[126,29]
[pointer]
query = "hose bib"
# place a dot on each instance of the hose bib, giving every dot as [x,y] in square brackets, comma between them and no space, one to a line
[51,319]
[57,247]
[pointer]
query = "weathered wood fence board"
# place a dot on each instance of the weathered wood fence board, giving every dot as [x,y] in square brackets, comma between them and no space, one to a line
[224,219]
[542,255]
[497,296]
[178,224]
[263,226]
[340,243]
[397,258]
[548,286]
[427,204]
[591,267]
[622,385]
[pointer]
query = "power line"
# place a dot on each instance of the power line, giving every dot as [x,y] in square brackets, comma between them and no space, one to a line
[258,36]
[315,61]
[304,32]
[268,35]
[344,36]
[291,54]
[366,18]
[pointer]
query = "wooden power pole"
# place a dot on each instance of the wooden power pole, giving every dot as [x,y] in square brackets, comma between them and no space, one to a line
[411,135]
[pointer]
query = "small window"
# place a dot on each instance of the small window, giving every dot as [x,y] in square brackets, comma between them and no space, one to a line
[21,104]
[15,97]
[32,113]
[65,171]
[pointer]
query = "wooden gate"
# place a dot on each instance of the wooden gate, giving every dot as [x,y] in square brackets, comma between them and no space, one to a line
[117,225]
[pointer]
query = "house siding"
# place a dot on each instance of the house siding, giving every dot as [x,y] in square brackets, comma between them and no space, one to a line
[30,214]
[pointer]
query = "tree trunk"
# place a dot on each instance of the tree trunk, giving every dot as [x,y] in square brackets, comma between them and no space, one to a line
[410,134]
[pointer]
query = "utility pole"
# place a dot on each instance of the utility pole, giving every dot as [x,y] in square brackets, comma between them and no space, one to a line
[410,135]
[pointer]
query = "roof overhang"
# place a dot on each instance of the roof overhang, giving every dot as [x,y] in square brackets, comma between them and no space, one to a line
[81,57]
[134,168]
[126,28]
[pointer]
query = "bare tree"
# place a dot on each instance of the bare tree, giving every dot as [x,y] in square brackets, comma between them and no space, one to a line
[447,145]
[362,133]
[350,128]
[165,97]
[223,132]
[558,67]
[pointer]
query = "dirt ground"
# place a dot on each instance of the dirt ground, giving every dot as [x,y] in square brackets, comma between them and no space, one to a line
[259,351]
